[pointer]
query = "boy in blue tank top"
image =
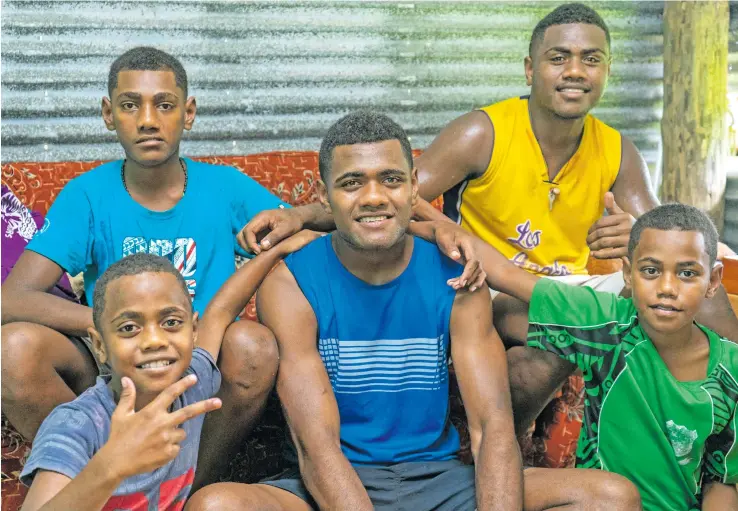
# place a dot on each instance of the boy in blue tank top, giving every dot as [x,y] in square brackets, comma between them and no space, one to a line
[155,202]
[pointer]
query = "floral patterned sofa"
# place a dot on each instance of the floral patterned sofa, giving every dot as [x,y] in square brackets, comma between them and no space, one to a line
[291,176]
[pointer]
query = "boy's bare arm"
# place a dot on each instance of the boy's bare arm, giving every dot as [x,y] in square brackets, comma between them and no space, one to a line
[462,150]
[720,497]
[502,275]
[89,491]
[139,442]
[307,396]
[235,294]
[26,297]
[481,369]
[424,211]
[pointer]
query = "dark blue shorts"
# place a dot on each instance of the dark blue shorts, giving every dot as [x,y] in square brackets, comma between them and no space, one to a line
[416,486]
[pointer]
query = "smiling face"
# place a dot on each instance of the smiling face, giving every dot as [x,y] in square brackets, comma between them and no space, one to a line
[670,276]
[569,69]
[147,331]
[149,112]
[370,192]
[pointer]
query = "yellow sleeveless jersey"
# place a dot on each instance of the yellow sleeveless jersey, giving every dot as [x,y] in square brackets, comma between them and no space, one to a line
[538,223]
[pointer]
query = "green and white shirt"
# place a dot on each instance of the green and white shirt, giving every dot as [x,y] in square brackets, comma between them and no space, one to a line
[666,436]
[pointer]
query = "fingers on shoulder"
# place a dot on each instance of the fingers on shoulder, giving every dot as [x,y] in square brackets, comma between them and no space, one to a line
[474,304]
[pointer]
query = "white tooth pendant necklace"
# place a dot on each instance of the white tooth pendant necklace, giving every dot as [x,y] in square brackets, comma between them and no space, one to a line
[553,194]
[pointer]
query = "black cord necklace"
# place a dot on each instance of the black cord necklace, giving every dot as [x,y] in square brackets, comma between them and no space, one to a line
[123,176]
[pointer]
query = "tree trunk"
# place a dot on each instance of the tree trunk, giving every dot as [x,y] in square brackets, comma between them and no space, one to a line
[694,127]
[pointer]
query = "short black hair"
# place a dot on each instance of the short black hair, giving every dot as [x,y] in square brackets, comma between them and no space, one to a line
[134,264]
[676,217]
[146,58]
[361,127]
[563,15]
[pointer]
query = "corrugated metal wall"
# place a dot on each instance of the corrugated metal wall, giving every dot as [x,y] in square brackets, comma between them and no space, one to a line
[275,75]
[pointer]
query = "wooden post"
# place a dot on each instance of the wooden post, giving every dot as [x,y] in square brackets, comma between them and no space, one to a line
[694,127]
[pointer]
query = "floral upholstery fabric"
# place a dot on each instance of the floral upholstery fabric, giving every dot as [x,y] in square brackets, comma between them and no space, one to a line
[19,225]
[289,175]
[15,450]
[292,177]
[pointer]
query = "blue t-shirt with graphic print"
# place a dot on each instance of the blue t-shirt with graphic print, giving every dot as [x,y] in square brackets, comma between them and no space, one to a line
[94,222]
[71,435]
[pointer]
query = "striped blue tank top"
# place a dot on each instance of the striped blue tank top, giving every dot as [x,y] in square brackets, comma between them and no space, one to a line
[386,351]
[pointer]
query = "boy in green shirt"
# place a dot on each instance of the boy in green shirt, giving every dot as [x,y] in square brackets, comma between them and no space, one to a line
[661,390]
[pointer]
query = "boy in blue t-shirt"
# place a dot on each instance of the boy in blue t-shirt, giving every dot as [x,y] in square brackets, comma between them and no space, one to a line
[131,441]
[154,202]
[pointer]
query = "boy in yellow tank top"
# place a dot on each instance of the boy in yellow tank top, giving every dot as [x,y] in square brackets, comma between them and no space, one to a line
[531,176]
[545,236]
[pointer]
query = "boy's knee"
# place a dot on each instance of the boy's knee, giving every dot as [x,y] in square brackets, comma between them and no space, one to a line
[217,497]
[620,492]
[538,368]
[203,500]
[22,351]
[249,357]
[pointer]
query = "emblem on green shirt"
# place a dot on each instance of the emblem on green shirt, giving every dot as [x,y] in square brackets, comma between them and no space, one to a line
[681,439]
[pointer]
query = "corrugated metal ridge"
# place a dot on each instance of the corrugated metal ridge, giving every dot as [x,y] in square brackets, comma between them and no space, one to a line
[274,75]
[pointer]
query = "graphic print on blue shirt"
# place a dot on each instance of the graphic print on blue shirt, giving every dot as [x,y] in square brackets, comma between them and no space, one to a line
[95,222]
[181,252]
[385,349]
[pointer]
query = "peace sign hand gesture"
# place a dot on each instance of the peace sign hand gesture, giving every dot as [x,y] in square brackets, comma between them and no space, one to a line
[143,441]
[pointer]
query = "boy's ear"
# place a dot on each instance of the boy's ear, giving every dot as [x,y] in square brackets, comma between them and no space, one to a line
[195,322]
[414,181]
[107,114]
[98,346]
[190,111]
[528,65]
[716,277]
[323,197]
[626,273]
